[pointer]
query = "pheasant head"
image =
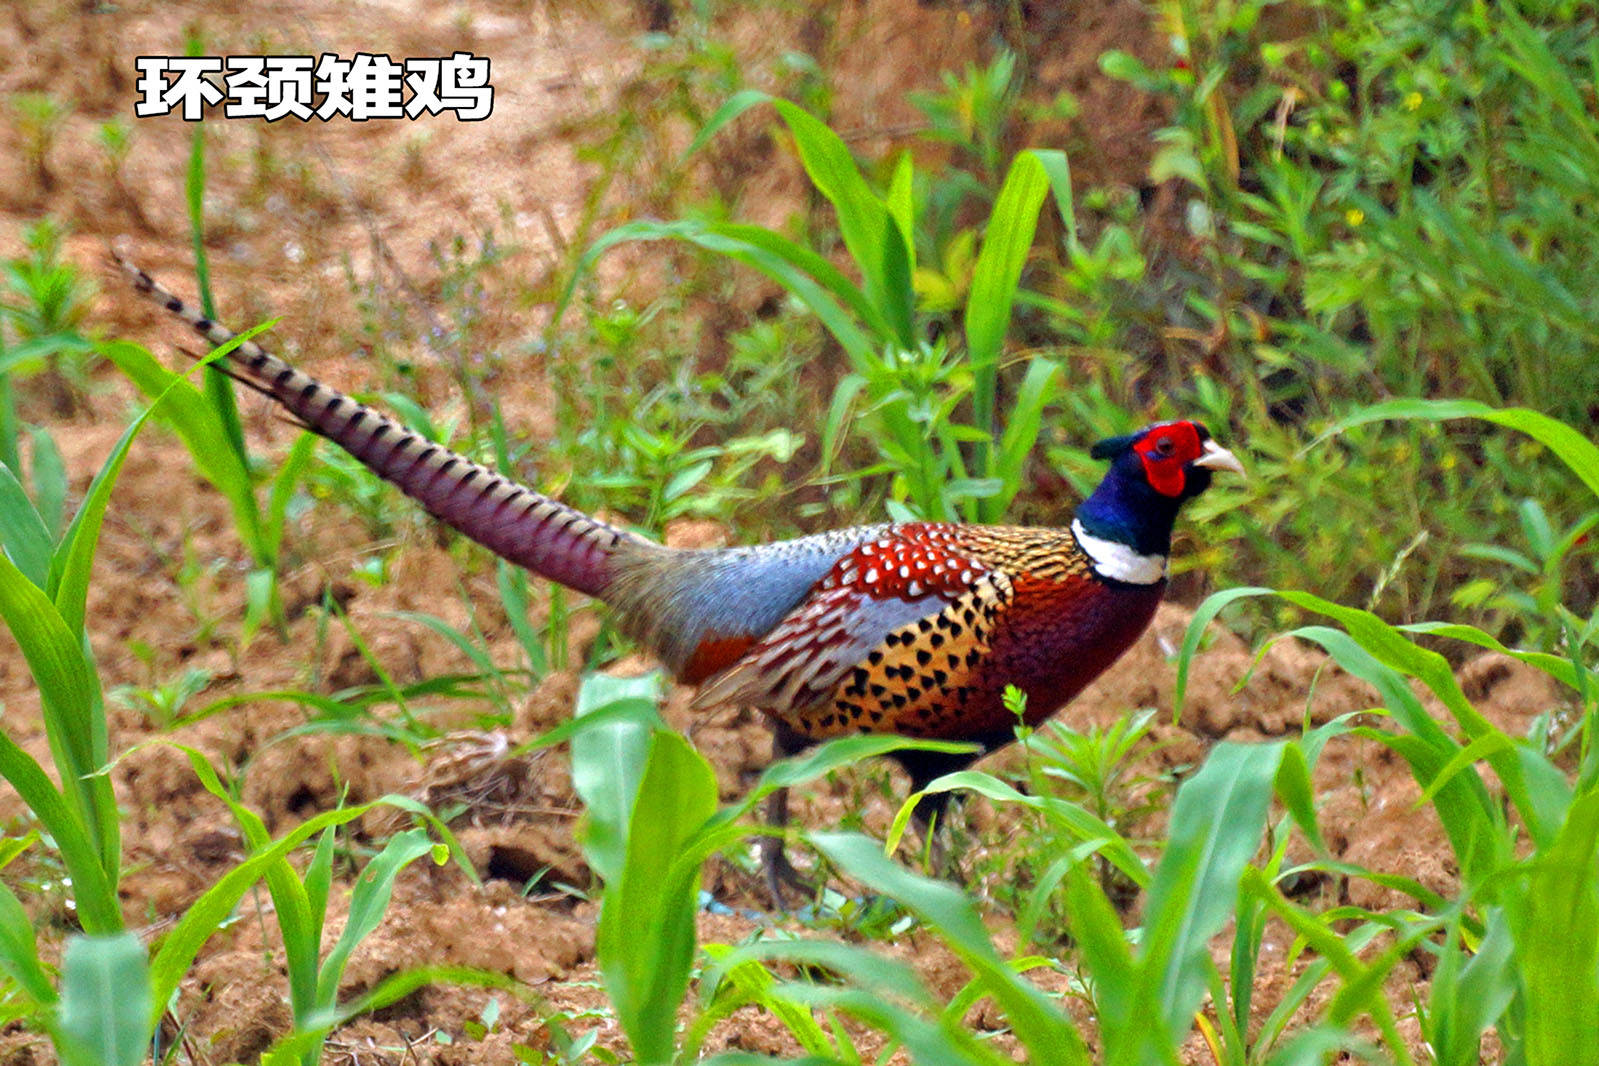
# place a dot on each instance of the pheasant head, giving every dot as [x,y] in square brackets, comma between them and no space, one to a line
[1126,524]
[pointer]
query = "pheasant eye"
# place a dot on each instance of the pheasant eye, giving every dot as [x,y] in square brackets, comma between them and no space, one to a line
[1165,446]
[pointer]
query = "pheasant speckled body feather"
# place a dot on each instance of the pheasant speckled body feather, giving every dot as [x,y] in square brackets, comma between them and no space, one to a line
[918,630]
[908,628]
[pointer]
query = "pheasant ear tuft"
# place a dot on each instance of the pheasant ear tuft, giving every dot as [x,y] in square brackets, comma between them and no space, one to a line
[1111,447]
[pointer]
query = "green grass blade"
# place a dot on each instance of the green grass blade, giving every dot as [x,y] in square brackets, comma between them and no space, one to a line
[49,480]
[730,988]
[825,292]
[1575,450]
[1382,656]
[735,106]
[835,755]
[608,762]
[928,1042]
[1562,670]
[1204,614]
[1103,946]
[1539,804]
[1467,999]
[368,903]
[1042,1028]
[1340,952]
[1022,426]
[1058,169]
[833,281]
[19,951]
[53,344]
[94,893]
[218,389]
[299,924]
[1470,755]
[315,885]
[750,1058]
[1470,817]
[1314,973]
[209,913]
[1322,1044]
[1216,825]
[1298,793]
[23,533]
[1556,923]
[74,556]
[901,200]
[475,653]
[309,1038]
[640,710]
[886,994]
[1070,819]
[196,422]
[10,426]
[518,603]
[105,998]
[282,491]
[874,239]
[69,695]
[1007,239]
[1241,970]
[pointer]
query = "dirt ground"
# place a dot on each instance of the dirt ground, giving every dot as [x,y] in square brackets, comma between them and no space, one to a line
[297,209]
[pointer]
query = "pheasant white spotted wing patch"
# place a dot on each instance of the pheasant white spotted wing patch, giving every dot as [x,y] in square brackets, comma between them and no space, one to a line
[903,578]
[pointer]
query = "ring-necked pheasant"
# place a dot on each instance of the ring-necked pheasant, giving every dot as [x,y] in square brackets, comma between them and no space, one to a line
[912,628]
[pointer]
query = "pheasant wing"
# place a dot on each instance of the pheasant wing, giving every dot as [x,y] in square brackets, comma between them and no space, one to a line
[870,608]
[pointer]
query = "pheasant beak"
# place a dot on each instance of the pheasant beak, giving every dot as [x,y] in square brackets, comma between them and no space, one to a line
[1215,457]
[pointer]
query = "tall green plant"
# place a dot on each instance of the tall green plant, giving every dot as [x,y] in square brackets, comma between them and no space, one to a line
[209,422]
[935,418]
[43,588]
[300,900]
[1520,944]
[652,821]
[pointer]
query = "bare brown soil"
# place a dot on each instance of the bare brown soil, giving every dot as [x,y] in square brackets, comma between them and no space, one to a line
[292,209]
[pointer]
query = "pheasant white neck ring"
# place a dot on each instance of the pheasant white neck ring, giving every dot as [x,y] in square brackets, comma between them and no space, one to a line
[1119,562]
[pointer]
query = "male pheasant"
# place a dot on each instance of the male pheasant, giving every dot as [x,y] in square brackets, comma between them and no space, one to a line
[910,628]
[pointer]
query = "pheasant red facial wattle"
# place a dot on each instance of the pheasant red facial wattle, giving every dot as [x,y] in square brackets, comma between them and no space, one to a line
[912,628]
[1165,450]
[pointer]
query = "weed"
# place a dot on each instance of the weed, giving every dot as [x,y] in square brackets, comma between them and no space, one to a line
[43,302]
[43,586]
[38,118]
[975,112]
[1381,206]
[163,703]
[943,468]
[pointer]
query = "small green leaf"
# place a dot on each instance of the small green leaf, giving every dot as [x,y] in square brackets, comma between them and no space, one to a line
[105,998]
[368,903]
[608,762]
[23,533]
[19,951]
[1556,925]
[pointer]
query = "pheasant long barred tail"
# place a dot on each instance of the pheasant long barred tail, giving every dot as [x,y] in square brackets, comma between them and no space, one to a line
[511,520]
